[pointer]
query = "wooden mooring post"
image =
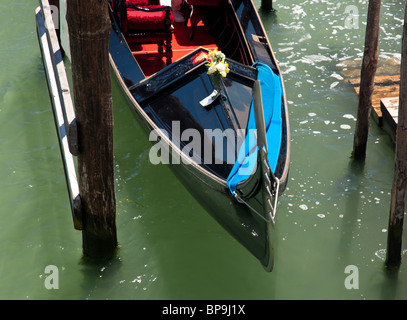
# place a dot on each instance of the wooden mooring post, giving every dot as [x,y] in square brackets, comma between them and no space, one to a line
[89,30]
[267,5]
[398,192]
[369,66]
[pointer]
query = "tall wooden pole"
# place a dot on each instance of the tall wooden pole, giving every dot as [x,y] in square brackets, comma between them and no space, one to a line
[267,5]
[368,72]
[398,191]
[89,29]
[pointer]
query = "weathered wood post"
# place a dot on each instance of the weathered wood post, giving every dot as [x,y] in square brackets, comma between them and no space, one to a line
[89,29]
[267,5]
[398,192]
[368,72]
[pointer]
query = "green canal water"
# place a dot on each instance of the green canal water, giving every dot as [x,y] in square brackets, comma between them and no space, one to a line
[333,214]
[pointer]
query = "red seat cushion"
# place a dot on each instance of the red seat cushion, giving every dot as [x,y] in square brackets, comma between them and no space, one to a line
[141,20]
[139,3]
[142,3]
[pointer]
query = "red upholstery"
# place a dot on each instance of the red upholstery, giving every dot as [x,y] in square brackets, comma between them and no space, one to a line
[141,26]
[140,20]
[142,3]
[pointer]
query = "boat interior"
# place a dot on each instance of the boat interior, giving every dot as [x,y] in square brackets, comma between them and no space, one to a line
[174,83]
[211,24]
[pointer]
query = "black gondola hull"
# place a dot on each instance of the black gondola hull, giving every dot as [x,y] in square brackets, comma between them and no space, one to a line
[245,218]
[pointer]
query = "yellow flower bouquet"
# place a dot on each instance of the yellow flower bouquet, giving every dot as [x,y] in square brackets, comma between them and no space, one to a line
[217,68]
[216,64]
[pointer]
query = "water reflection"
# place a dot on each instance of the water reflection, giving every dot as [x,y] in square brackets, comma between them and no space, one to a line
[352,180]
[269,18]
[98,276]
[390,285]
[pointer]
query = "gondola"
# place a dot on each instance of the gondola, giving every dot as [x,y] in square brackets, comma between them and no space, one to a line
[227,139]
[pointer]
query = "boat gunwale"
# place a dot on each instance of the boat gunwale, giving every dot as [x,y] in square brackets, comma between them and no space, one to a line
[284,175]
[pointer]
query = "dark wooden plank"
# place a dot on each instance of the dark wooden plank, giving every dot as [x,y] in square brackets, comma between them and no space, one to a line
[389,111]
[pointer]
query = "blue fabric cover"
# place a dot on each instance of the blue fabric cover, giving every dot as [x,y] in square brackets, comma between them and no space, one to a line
[271,92]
